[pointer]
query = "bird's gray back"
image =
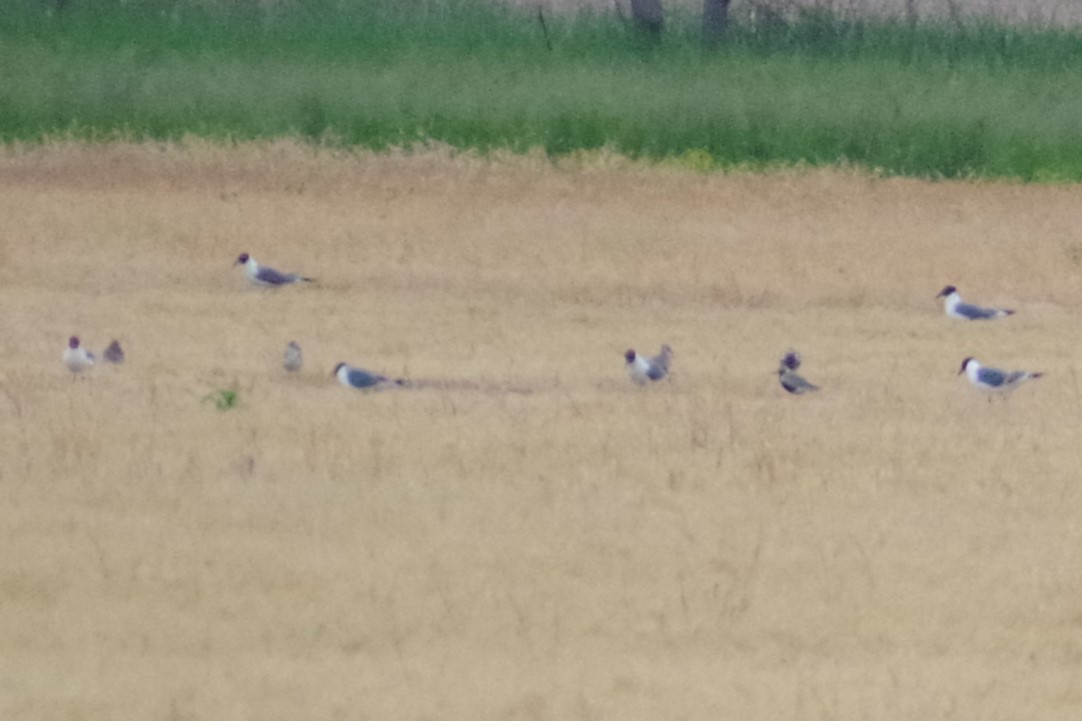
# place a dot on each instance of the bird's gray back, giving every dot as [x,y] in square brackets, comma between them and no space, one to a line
[994,377]
[272,276]
[796,384]
[975,312]
[359,378]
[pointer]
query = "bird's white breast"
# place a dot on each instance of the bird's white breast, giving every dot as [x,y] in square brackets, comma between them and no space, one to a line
[639,369]
[77,359]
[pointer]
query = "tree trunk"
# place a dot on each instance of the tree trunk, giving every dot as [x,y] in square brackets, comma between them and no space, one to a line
[648,16]
[715,21]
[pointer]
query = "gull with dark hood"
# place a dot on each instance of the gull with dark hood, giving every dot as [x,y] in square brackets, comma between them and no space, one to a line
[790,380]
[352,377]
[955,308]
[644,370]
[265,276]
[994,380]
[77,359]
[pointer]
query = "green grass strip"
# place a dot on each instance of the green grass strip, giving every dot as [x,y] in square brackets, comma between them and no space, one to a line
[930,100]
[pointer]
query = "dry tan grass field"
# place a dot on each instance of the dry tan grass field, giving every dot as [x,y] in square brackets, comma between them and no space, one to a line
[526,535]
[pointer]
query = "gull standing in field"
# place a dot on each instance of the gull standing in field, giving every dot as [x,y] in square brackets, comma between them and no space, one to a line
[955,308]
[993,380]
[352,377]
[266,276]
[114,353]
[643,370]
[790,380]
[76,358]
[293,359]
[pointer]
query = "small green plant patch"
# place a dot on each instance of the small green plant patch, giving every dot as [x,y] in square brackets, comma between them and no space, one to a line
[223,399]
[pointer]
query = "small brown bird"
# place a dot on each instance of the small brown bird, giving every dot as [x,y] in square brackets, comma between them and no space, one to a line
[293,358]
[114,353]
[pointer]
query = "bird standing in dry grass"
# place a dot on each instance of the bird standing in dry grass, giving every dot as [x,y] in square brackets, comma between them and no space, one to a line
[955,308]
[114,353]
[293,359]
[266,276]
[76,358]
[352,377]
[790,380]
[643,370]
[994,380]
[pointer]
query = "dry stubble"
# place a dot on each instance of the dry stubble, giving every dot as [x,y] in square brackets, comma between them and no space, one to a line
[528,536]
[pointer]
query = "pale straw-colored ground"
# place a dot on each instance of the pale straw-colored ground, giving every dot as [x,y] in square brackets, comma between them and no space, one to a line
[525,535]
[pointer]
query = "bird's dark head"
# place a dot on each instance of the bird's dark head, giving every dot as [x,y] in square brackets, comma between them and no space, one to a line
[337,368]
[791,360]
[965,364]
[629,356]
[947,291]
[73,342]
[241,259]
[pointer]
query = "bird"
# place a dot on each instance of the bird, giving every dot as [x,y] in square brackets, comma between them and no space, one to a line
[293,358]
[955,308]
[76,358]
[114,353]
[352,377]
[793,382]
[643,370]
[266,276]
[993,380]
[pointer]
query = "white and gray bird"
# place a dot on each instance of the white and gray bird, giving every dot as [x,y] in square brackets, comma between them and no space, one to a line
[293,359]
[114,353]
[353,377]
[644,370]
[76,358]
[790,380]
[955,308]
[992,380]
[266,276]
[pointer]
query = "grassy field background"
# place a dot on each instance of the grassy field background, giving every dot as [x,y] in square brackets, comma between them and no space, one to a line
[525,535]
[963,96]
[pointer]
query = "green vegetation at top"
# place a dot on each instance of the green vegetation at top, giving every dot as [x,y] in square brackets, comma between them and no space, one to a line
[967,97]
